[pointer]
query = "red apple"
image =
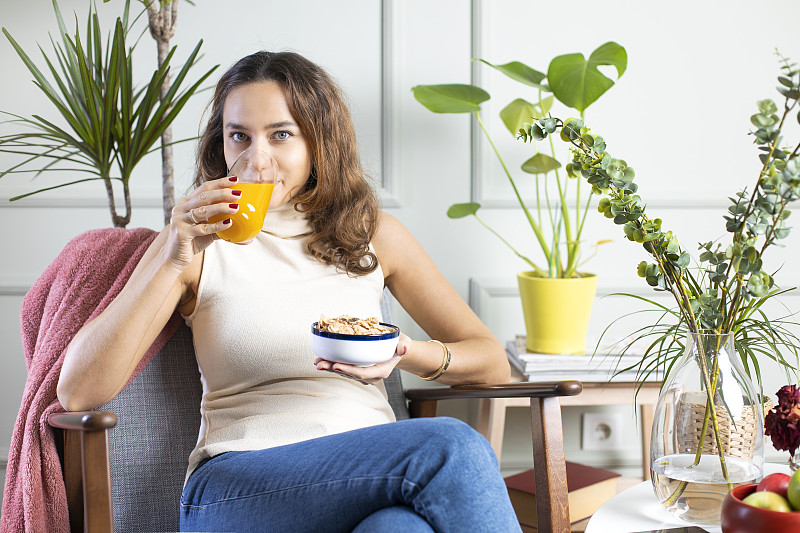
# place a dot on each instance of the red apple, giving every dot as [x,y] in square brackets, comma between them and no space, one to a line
[777,483]
[768,500]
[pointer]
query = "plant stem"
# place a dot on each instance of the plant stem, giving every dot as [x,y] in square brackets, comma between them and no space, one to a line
[572,265]
[162,28]
[710,412]
[539,271]
[536,229]
[572,246]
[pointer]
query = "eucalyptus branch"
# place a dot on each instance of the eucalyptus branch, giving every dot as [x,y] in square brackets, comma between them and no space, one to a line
[737,275]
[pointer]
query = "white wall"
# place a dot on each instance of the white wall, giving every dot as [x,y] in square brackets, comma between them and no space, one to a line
[679,116]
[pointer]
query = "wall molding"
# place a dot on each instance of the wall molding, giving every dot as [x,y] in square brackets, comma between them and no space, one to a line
[77,202]
[660,204]
[476,160]
[9,288]
[388,186]
[503,288]
[482,157]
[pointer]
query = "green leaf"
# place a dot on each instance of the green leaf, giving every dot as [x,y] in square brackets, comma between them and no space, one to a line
[463,210]
[522,73]
[105,122]
[578,83]
[683,260]
[548,124]
[450,98]
[25,195]
[516,114]
[545,104]
[767,106]
[540,164]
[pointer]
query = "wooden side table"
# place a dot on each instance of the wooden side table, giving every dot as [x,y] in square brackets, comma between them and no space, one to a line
[492,412]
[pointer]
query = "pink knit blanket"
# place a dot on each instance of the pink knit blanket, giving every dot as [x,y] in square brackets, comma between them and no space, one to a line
[77,286]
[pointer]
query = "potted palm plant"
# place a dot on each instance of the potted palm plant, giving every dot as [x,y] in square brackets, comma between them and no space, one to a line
[106,124]
[708,426]
[556,296]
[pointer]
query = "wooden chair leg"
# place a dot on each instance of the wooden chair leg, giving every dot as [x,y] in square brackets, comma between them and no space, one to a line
[97,482]
[422,408]
[73,473]
[552,505]
[87,468]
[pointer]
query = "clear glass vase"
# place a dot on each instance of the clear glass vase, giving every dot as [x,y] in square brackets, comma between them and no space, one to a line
[708,398]
[794,461]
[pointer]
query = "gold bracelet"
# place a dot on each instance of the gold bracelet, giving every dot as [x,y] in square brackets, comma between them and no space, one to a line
[445,362]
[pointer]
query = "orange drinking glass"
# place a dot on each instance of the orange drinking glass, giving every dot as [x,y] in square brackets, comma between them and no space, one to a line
[257,172]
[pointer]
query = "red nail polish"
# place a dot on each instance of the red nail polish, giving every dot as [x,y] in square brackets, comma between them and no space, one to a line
[227,221]
[233,179]
[236,193]
[233,206]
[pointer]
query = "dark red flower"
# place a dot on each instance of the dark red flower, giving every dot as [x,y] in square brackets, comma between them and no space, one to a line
[782,423]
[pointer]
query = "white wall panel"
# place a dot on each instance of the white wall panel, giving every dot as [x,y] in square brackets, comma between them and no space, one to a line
[679,116]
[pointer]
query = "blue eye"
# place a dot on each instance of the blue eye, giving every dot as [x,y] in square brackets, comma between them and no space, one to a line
[282,135]
[238,136]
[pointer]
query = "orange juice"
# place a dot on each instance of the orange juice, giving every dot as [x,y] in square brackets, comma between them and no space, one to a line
[248,220]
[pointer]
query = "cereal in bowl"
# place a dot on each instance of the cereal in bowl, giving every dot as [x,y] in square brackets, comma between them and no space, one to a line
[350,325]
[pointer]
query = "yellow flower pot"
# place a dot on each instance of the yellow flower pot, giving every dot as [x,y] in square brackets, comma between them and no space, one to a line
[556,312]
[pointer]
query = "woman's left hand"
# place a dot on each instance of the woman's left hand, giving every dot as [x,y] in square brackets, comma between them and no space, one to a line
[368,375]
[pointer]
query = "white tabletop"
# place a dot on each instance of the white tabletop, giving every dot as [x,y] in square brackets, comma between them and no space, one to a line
[636,509]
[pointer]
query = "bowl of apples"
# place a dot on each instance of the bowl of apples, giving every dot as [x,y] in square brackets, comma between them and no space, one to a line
[770,505]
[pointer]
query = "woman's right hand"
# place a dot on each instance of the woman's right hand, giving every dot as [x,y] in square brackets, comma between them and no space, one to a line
[190,232]
[104,353]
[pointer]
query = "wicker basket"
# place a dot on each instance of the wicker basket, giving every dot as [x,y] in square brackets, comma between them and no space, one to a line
[736,438]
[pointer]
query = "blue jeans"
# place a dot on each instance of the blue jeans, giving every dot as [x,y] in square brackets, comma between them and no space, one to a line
[419,475]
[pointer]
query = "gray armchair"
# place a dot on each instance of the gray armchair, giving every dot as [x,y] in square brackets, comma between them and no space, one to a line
[124,464]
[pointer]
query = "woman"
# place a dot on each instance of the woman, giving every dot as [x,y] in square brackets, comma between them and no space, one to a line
[289,442]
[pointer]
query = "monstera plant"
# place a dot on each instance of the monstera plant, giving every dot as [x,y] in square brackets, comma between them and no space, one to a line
[560,204]
[574,81]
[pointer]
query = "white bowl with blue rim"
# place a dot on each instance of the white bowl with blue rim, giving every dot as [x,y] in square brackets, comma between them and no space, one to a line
[359,350]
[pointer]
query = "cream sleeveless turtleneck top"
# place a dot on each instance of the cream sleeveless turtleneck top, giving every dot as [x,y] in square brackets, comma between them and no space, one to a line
[252,327]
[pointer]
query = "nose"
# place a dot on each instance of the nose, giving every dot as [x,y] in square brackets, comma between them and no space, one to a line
[258,166]
[260,160]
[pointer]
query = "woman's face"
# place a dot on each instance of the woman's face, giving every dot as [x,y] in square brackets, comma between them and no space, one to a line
[257,116]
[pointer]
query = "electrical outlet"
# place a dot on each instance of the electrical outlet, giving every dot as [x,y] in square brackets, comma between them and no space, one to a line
[602,431]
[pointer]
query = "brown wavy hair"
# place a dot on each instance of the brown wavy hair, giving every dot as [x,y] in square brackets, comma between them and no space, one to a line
[337,199]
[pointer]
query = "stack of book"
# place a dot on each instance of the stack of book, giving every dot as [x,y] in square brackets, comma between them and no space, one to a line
[588,488]
[599,367]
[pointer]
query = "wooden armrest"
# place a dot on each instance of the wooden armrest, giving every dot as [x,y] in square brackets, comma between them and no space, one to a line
[423,401]
[83,420]
[523,389]
[87,472]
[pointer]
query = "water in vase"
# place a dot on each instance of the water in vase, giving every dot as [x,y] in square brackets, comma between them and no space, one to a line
[705,487]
